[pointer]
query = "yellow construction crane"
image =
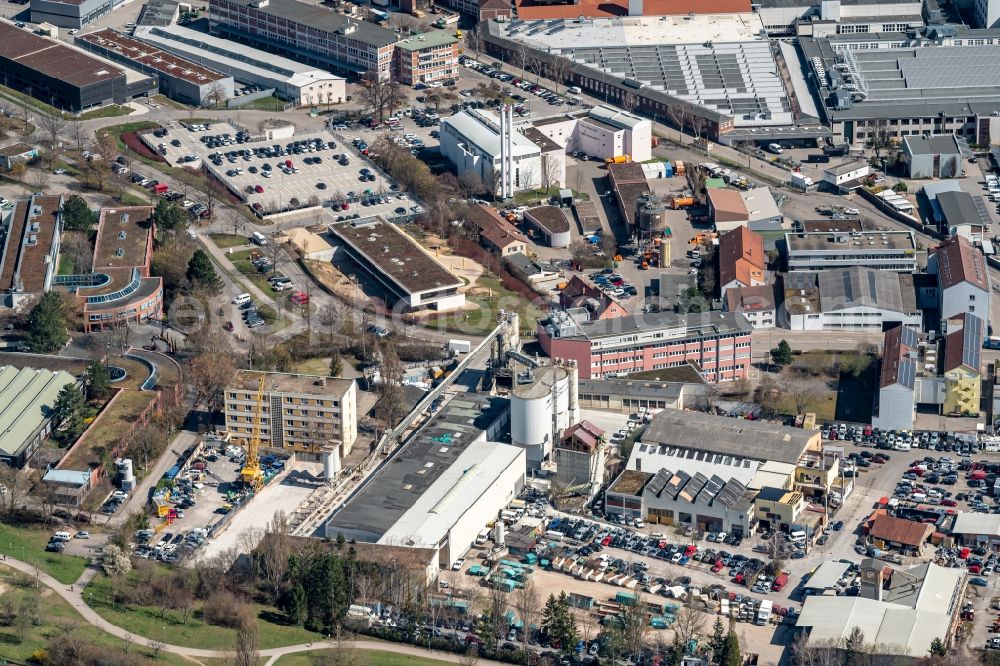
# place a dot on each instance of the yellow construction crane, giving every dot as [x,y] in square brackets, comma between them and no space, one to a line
[252,474]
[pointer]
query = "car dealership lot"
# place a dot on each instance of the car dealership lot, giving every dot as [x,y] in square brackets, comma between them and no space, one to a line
[308,170]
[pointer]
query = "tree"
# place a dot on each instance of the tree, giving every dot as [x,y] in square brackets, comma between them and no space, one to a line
[168,217]
[379,94]
[782,354]
[69,408]
[47,325]
[718,641]
[805,392]
[52,126]
[201,273]
[208,375]
[526,605]
[678,115]
[97,380]
[336,365]
[78,251]
[690,624]
[938,648]
[879,137]
[114,561]
[731,652]
[295,604]
[854,645]
[561,69]
[215,96]
[558,622]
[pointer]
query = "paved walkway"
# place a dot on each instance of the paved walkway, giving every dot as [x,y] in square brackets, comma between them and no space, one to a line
[73,595]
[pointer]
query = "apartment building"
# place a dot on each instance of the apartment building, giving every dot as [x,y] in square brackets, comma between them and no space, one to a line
[426,58]
[299,413]
[719,343]
[314,34]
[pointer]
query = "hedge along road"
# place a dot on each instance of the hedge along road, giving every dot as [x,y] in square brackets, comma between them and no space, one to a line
[74,597]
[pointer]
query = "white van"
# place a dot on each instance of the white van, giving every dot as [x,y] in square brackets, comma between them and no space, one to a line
[258,238]
[241,299]
[573,90]
[62,536]
[775,148]
[798,536]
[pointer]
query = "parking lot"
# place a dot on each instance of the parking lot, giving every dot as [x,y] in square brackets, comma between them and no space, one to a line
[305,171]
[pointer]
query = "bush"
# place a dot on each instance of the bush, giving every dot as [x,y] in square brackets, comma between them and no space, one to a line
[224,609]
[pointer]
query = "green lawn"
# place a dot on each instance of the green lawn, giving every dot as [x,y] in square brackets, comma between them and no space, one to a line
[313,366]
[55,614]
[29,101]
[109,111]
[271,103]
[65,265]
[130,199]
[229,240]
[361,658]
[241,261]
[28,545]
[147,621]
[487,294]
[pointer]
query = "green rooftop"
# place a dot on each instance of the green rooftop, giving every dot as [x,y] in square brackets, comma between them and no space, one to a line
[27,398]
[427,40]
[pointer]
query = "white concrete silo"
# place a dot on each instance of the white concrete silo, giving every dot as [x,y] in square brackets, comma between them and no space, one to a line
[533,408]
[560,399]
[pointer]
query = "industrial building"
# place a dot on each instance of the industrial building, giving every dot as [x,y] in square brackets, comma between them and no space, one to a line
[401,266]
[71,13]
[827,579]
[543,403]
[309,33]
[896,399]
[69,487]
[977,529]
[817,18]
[30,259]
[64,76]
[900,610]
[471,140]
[846,176]
[442,486]
[530,10]
[906,83]
[820,250]
[27,407]
[550,223]
[603,132]
[178,79]
[628,395]
[855,298]
[754,208]
[741,260]
[963,284]
[120,287]
[427,57]
[936,156]
[314,417]
[580,459]
[715,73]
[300,84]
[628,184]
[719,343]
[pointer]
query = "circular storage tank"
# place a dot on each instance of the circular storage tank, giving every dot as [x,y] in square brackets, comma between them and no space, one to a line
[652,215]
[331,464]
[530,419]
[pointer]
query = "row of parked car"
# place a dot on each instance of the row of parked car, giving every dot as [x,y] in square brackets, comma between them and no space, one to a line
[898,440]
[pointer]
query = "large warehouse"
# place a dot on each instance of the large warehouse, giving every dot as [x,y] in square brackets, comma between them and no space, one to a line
[301,84]
[179,79]
[63,76]
[941,82]
[406,270]
[442,487]
[716,72]
[71,13]
[28,397]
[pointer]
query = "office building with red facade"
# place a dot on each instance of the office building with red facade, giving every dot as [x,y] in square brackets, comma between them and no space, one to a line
[718,342]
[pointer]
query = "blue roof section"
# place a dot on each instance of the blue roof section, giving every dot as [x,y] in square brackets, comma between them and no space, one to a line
[67,476]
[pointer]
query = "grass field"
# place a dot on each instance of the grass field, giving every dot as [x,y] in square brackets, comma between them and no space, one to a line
[109,111]
[361,658]
[271,103]
[313,366]
[57,616]
[229,240]
[147,621]
[241,261]
[487,293]
[28,545]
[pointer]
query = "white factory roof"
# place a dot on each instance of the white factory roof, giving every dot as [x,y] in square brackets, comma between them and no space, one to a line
[437,510]
[616,117]
[204,48]
[654,457]
[977,523]
[826,575]
[482,129]
[772,474]
[905,628]
[638,30]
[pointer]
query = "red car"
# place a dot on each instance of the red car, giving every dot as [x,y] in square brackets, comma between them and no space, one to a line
[288,163]
[345,206]
[690,550]
[717,567]
[606,541]
[948,502]
[258,189]
[299,298]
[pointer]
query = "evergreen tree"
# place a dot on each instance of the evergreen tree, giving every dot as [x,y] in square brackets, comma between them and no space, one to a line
[201,273]
[168,217]
[854,645]
[76,215]
[295,604]
[336,365]
[718,640]
[69,409]
[676,650]
[731,652]
[782,354]
[97,380]
[938,648]
[47,325]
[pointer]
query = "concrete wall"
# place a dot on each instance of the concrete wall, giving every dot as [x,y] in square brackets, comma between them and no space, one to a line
[896,408]
[963,296]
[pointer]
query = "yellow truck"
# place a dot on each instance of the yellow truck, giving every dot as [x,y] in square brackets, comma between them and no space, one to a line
[621,159]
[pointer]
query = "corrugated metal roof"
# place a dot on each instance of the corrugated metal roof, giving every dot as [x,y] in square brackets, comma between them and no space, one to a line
[27,397]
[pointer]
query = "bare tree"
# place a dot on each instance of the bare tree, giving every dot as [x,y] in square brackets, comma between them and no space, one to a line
[519,58]
[380,95]
[690,624]
[215,96]
[52,126]
[879,137]
[15,484]
[273,552]
[634,628]
[526,604]
[78,134]
[156,646]
[630,101]
[678,114]
[805,392]
[561,69]
[236,222]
